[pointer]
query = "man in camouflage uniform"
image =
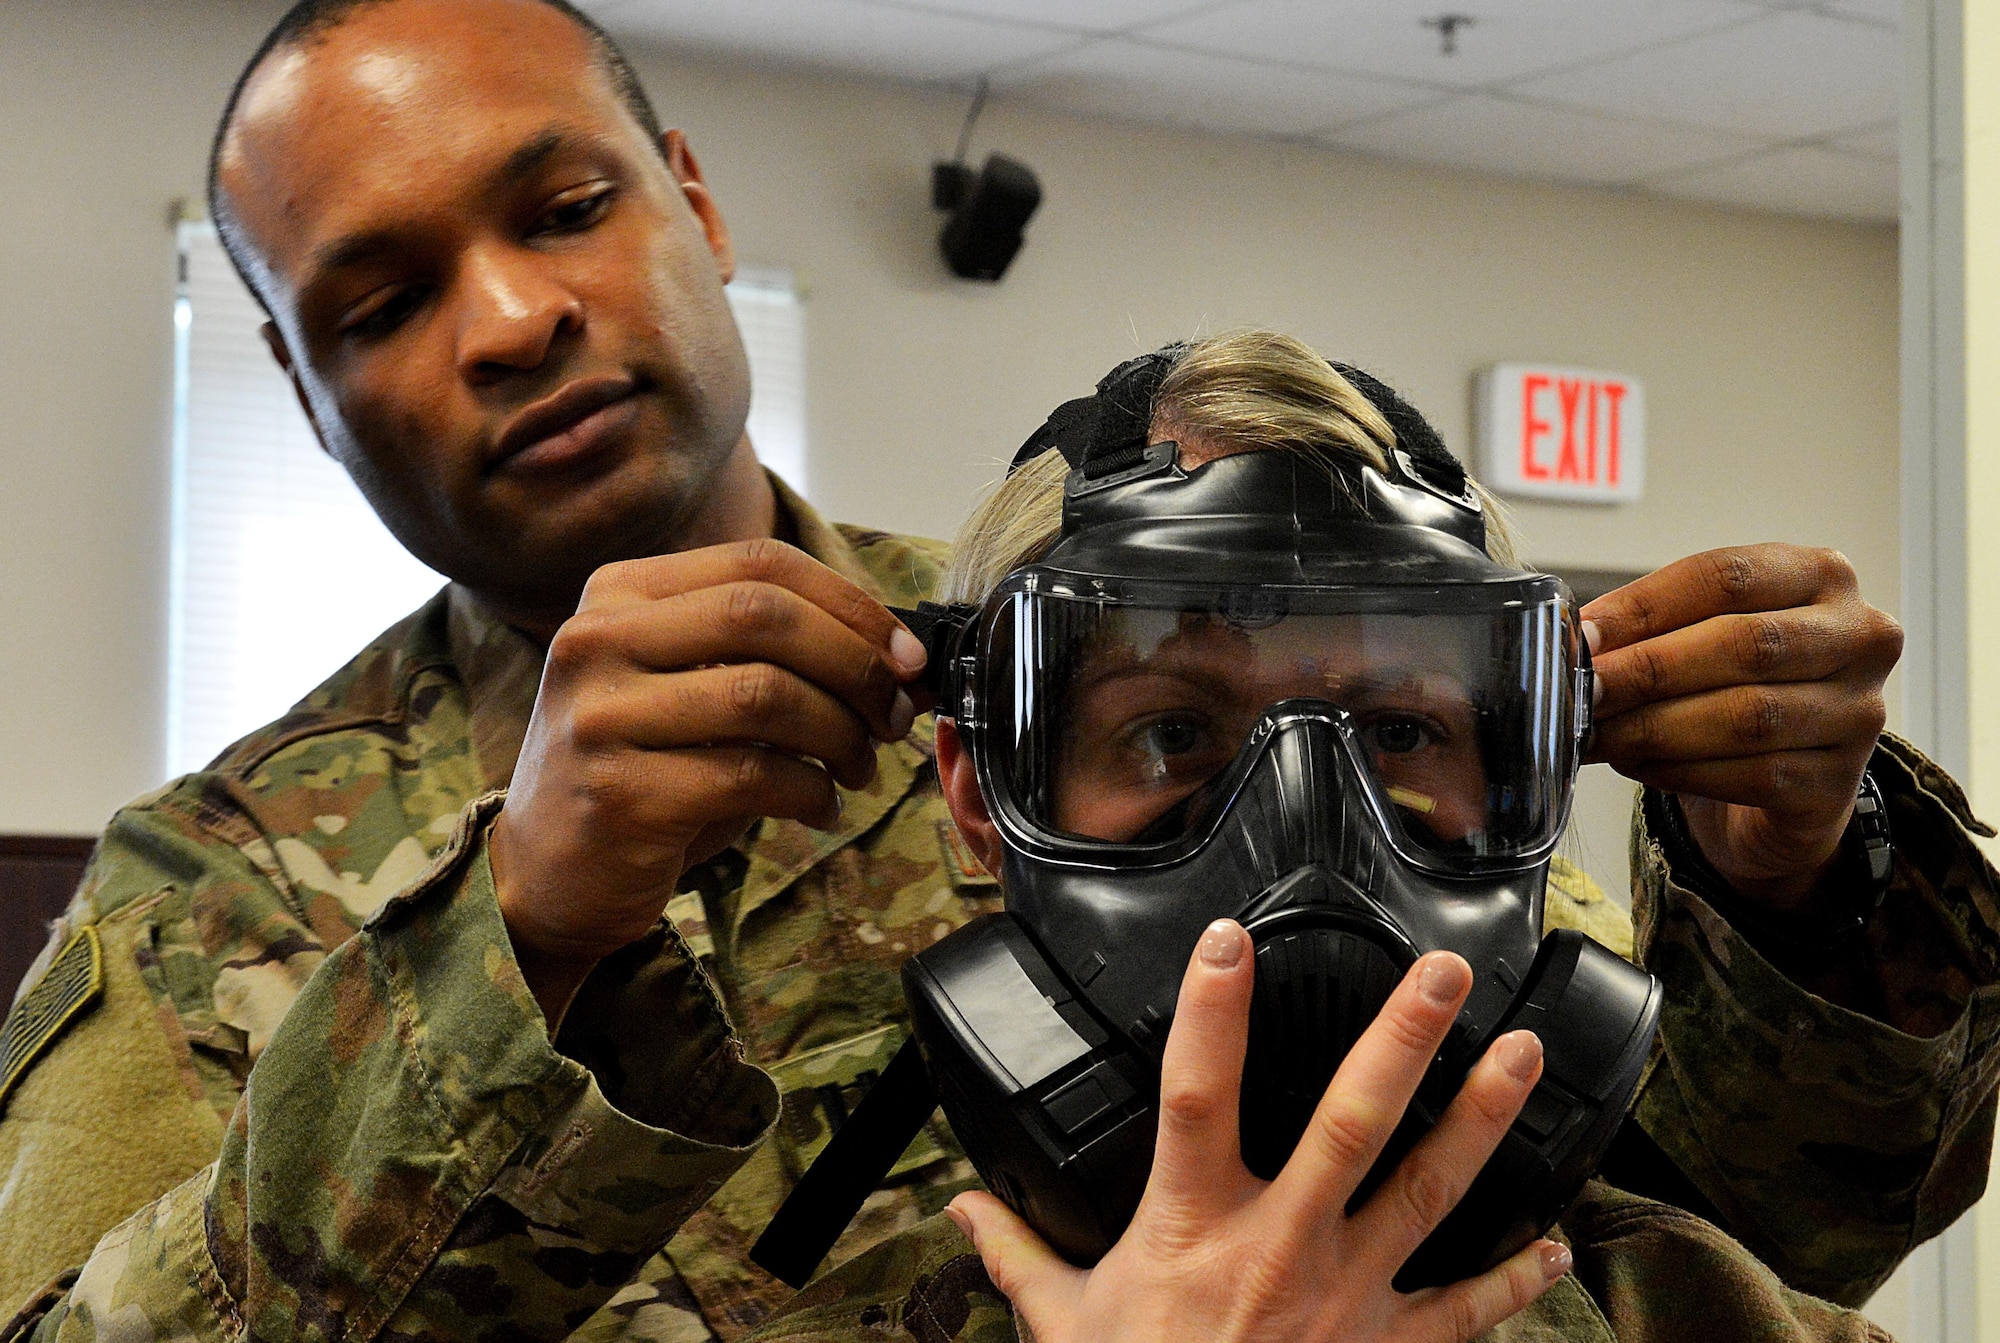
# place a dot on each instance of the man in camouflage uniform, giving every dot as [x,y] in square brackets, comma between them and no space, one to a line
[490,1083]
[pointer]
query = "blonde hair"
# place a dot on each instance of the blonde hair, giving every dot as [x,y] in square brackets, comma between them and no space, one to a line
[1247,391]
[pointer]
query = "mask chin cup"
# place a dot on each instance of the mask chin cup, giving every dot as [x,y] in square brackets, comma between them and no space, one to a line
[1058,1112]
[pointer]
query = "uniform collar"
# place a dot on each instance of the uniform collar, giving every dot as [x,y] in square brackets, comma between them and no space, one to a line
[501,669]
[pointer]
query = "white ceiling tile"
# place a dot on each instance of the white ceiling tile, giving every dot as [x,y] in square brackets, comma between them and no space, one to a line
[1644,91]
[1090,16]
[1387,37]
[852,36]
[1133,81]
[1500,135]
[1795,181]
[1788,75]
[1881,142]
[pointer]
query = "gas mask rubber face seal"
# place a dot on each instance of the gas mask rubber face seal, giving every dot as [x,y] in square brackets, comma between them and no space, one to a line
[1301,696]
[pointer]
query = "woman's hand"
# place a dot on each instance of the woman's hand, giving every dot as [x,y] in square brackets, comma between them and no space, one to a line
[1216,1255]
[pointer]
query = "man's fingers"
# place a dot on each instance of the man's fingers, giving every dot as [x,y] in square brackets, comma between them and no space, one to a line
[738,623]
[1043,1287]
[1800,782]
[1368,1094]
[1198,1160]
[1768,577]
[758,561]
[682,793]
[1468,1309]
[1741,720]
[1429,1182]
[752,704]
[1801,644]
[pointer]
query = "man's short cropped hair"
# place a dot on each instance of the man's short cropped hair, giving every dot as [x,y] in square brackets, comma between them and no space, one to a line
[307,19]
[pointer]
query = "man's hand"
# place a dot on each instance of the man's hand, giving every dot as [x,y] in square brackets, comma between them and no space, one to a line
[690,694]
[1748,681]
[1216,1255]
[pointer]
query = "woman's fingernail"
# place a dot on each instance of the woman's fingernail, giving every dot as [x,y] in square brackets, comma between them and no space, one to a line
[1519,1053]
[1222,944]
[1556,1259]
[1442,978]
[1592,636]
[902,713]
[964,1224]
[907,650]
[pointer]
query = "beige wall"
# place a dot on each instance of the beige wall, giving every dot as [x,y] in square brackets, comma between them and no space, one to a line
[105,111]
[1768,345]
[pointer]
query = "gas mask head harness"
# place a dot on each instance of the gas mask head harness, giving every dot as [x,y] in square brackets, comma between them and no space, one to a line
[1276,688]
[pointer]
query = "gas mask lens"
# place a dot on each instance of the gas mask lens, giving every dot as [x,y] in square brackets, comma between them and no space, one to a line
[1128,714]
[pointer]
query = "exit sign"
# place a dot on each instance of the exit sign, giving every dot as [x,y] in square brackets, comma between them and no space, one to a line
[1562,433]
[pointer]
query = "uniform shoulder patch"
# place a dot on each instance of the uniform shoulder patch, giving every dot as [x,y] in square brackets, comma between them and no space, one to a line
[73,981]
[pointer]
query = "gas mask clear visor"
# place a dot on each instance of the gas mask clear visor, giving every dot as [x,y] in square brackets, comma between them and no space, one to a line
[1116,718]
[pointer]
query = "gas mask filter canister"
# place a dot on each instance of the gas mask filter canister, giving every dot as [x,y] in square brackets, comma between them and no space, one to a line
[1279,690]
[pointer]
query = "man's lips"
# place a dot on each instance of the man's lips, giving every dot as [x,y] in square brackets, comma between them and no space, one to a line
[567,425]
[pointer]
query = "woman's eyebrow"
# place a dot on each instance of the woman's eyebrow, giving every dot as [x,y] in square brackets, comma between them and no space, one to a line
[1378,680]
[1205,666]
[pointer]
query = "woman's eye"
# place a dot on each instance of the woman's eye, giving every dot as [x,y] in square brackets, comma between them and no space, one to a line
[1399,736]
[1171,736]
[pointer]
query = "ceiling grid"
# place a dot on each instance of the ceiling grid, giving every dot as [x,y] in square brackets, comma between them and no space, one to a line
[1765,104]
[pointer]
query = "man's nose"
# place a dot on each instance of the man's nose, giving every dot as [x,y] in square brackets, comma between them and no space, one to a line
[512,311]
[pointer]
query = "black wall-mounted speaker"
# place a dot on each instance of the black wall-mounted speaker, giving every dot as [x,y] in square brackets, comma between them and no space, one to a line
[989,209]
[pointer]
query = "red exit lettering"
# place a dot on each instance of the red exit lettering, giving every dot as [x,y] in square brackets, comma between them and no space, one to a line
[1582,446]
[1614,392]
[1569,391]
[1531,428]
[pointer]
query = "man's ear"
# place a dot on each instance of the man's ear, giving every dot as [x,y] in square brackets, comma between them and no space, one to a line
[275,342]
[682,164]
[960,782]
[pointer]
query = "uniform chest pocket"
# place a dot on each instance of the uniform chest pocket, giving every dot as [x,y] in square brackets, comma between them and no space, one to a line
[821,1087]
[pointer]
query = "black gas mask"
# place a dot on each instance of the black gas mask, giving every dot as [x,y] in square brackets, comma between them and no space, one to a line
[1281,689]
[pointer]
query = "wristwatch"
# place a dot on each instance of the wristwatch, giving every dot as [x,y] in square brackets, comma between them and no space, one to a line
[1868,855]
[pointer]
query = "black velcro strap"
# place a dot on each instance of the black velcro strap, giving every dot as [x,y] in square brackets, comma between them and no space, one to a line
[1125,412]
[849,1168]
[1414,434]
[1106,432]
[1068,430]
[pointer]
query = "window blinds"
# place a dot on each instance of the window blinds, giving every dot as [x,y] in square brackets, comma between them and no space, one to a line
[281,572]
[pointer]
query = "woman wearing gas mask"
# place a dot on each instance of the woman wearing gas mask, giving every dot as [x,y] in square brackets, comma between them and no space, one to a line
[1268,737]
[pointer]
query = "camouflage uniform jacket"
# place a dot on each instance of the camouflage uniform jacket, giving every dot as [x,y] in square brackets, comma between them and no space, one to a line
[217,929]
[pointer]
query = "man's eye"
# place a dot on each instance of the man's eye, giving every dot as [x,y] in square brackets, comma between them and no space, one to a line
[385,316]
[577,213]
[1399,736]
